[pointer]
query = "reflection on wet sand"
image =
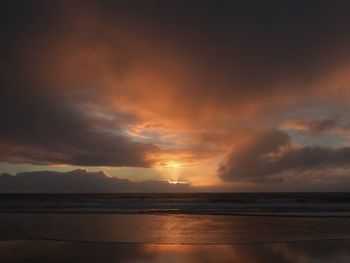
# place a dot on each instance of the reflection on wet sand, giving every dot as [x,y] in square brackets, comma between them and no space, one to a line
[172,239]
[321,252]
[49,251]
[171,229]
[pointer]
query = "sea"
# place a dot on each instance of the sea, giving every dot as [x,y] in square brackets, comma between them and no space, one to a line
[295,204]
[175,228]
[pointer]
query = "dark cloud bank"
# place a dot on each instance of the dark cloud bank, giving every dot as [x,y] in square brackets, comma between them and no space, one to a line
[80,181]
[320,125]
[240,51]
[43,127]
[275,42]
[271,155]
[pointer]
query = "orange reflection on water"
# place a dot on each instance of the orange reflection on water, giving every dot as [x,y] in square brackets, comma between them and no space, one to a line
[190,253]
[272,253]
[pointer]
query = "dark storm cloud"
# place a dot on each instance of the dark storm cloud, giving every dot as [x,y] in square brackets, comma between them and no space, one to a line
[243,51]
[45,127]
[41,123]
[253,46]
[236,51]
[270,154]
[319,125]
[232,57]
[80,181]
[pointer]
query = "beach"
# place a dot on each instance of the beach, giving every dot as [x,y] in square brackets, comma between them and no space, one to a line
[42,237]
[190,228]
[44,251]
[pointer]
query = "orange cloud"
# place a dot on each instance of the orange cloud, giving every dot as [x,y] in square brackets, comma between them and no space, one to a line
[142,85]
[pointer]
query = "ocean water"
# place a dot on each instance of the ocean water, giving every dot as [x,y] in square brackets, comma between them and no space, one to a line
[174,228]
[181,203]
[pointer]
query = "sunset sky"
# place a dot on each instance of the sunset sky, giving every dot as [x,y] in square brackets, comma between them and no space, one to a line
[218,95]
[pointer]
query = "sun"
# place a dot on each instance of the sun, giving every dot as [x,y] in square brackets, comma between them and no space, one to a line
[172,170]
[176,182]
[173,164]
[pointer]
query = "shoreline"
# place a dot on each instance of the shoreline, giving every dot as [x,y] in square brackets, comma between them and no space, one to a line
[174,212]
[171,228]
[173,238]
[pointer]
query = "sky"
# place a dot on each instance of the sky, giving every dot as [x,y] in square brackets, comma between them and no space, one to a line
[201,95]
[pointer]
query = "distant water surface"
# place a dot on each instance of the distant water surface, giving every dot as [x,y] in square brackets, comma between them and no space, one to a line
[186,203]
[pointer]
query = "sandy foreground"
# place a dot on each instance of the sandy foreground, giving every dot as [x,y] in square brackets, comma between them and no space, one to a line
[172,238]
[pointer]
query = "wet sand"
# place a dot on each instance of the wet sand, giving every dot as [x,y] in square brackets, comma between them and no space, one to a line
[46,251]
[171,229]
[172,238]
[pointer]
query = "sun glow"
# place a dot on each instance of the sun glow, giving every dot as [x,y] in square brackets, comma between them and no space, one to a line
[176,182]
[173,164]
